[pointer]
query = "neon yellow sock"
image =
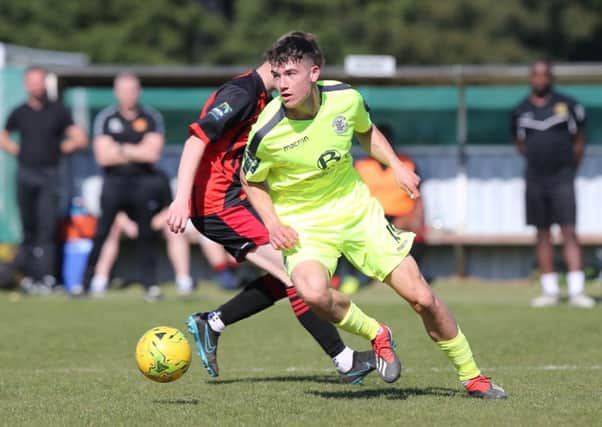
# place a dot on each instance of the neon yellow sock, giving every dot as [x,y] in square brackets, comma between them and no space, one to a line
[358,323]
[459,353]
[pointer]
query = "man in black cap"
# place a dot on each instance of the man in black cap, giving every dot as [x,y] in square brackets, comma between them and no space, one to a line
[549,130]
[46,132]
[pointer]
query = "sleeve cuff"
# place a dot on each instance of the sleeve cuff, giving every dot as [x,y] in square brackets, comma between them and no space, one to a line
[195,129]
[365,130]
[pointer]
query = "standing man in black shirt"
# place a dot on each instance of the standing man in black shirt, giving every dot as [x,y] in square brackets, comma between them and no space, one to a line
[128,139]
[549,130]
[46,132]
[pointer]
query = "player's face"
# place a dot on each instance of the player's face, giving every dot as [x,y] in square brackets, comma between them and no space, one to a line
[541,79]
[294,81]
[127,92]
[35,83]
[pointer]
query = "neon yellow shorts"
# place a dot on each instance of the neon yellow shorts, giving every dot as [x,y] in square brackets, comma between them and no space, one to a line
[354,226]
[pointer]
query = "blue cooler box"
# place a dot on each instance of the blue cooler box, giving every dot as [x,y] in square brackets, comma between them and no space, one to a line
[75,257]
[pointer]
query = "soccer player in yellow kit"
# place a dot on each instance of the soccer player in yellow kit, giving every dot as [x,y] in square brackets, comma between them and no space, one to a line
[299,176]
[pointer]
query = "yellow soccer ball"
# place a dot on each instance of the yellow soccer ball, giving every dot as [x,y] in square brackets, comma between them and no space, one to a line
[163,354]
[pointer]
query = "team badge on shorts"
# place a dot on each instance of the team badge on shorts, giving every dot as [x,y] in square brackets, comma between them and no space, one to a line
[339,124]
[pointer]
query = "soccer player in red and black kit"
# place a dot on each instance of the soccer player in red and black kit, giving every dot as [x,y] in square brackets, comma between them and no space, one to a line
[210,193]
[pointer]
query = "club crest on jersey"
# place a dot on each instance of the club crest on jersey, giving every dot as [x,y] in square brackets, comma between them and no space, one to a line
[140,125]
[339,124]
[115,125]
[220,111]
[561,109]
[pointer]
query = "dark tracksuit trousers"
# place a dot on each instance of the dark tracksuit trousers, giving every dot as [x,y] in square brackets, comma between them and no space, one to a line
[37,197]
[140,197]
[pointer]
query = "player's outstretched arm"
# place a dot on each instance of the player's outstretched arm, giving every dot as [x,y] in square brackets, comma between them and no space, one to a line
[377,146]
[179,211]
[281,236]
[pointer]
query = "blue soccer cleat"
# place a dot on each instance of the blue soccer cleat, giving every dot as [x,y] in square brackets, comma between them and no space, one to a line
[364,362]
[205,339]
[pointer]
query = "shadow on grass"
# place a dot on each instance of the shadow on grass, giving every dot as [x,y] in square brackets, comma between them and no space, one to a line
[322,379]
[387,393]
[176,401]
[566,300]
[357,393]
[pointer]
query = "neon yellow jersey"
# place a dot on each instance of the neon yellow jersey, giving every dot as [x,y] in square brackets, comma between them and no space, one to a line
[306,162]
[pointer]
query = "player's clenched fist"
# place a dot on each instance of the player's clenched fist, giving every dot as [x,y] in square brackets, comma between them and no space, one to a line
[282,236]
[407,180]
[177,216]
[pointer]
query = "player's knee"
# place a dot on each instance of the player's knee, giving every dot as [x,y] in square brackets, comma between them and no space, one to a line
[314,293]
[424,301]
[543,236]
[569,237]
[316,297]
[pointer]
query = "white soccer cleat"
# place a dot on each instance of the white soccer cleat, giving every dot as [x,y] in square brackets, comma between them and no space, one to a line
[582,301]
[545,301]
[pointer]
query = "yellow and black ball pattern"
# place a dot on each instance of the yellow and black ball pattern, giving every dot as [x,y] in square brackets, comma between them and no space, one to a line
[163,354]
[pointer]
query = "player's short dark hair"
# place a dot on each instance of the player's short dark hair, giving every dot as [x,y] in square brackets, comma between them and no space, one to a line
[545,61]
[36,68]
[294,46]
[126,75]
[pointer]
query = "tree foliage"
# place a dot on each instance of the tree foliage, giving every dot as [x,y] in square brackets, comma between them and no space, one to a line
[238,31]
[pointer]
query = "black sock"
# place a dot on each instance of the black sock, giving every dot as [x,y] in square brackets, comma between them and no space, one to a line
[323,332]
[258,295]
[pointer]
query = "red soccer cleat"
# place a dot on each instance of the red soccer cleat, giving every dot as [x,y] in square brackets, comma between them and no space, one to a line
[483,388]
[387,362]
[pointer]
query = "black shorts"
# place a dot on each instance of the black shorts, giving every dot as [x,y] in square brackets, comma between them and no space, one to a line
[550,202]
[238,229]
[163,189]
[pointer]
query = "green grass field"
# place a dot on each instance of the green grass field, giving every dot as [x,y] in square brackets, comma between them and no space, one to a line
[70,362]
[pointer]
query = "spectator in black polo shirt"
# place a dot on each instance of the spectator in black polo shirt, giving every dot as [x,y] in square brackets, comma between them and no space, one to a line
[549,130]
[46,132]
[128,139]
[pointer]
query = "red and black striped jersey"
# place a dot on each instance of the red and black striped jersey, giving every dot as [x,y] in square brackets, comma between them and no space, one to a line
[224,125]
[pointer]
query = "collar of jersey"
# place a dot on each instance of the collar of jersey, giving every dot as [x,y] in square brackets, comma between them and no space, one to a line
[321,91]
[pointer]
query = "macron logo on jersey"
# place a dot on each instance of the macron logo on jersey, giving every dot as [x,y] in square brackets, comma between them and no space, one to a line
[296,144]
